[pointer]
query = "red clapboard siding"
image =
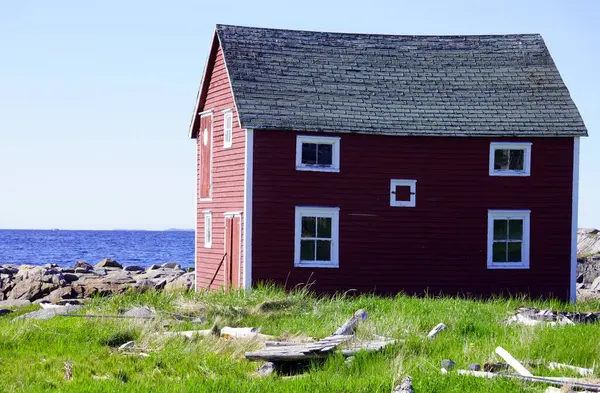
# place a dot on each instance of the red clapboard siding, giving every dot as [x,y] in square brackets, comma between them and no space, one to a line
[437,247]
[204,156]
[227,177]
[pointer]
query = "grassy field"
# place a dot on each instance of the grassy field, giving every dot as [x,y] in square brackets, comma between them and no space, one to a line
[33,354]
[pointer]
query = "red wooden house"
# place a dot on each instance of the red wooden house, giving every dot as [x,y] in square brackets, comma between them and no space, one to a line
[439,164]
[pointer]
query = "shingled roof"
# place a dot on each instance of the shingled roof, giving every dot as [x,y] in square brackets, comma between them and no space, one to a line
[486,85]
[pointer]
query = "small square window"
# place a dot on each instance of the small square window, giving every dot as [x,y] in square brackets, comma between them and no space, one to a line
[207,229]
[510,159]
[316,243]
[227,128]
[508,239]
[403,193]
[316,153]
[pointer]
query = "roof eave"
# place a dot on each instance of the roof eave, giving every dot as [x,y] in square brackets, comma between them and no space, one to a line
[204,82]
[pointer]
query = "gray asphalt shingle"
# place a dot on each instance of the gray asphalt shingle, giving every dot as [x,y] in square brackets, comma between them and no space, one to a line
[404,85]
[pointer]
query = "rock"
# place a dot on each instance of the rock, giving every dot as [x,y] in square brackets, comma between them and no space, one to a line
[184,282]
[448,364]
[70,277]
[595,285]
[154,266]
[266,369]
[67,270]
[47,313]
[51,265]
[4,311]
[61,293]
[127,345]
[474,367]
[143,285]
[108,262]
[8,270]
[118,278]
[96,287]
[171,265]
[15,303]
[82,270]
[140,312]
[160,284]
[133,269]
[82,265]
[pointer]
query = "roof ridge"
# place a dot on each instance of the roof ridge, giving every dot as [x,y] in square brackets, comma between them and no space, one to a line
[220,26]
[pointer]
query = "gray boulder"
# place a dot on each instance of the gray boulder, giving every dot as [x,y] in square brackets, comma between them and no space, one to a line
[15,303]
[4,311]
[82,266]
[109,262]
[144,285]
[448,364]
[119,278]
[133,269]
[595,285]
[70,277]
[154,266]
[184,282]
[171,265]
[47,313]
[140,312]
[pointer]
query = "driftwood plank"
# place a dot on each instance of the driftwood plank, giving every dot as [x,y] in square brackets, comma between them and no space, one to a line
[367,346]
[514,363]
[582,371]
[438,328]
[557,381]
[350,325]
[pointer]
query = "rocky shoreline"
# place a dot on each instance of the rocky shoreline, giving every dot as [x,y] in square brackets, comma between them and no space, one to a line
[27,284]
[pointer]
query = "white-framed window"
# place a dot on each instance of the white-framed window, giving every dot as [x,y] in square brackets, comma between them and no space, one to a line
[510,159]
[227,128]
[318,153]
[207,229]
[403,193]
[508,239]
[316,242]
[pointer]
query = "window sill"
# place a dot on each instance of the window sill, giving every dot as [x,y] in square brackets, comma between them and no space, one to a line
[509,266]
[326,265]
[317,169]
[509,173]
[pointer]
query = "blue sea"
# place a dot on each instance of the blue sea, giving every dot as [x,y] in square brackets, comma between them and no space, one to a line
[65,247]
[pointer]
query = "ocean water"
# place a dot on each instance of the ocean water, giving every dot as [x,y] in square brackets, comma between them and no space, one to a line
[64,247]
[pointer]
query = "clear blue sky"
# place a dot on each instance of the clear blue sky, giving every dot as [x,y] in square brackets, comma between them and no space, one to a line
[96,96]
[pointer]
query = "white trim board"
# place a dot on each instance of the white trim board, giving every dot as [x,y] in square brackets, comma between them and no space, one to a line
[574,221]
[247,216]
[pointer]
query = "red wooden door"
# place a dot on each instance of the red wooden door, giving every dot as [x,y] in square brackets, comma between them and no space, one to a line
[205,152]
[232,248]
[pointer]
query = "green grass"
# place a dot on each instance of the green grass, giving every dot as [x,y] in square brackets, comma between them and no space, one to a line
[33,353]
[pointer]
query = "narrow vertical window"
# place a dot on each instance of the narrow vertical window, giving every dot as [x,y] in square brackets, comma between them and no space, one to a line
[508,239]
[228,128]
[207,229]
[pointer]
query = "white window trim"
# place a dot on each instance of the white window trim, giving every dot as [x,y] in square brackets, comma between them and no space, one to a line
[208,224]
[509,214]
[331,212]
[329,140]
[525,146]
[227,143]
[413,192]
